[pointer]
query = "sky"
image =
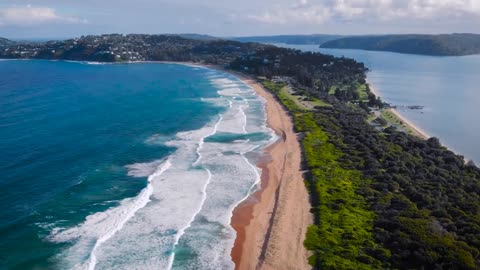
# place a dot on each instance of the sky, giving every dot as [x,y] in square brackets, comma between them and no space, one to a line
[21,19]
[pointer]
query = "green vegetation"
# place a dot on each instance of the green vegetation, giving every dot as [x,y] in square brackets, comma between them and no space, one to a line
[453,44]
[289,39]
[362,92]
[342,235]
[422,194]
[319,103]
[331,90]
[381,199]
[357,91]
[293,101]
[392,119]
[384,200]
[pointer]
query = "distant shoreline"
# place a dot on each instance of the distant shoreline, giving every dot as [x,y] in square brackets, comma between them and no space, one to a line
[417,130]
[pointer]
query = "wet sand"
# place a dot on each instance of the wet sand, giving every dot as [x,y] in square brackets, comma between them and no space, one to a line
[271,224]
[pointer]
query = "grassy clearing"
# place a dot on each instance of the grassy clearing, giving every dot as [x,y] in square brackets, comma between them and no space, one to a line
[300,102]
[319,103]
[371,117]
[332,90]
[392,119]
[362,92]
[360,89]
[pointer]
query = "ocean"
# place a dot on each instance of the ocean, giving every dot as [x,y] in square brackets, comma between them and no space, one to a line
[124,166]
[448,89]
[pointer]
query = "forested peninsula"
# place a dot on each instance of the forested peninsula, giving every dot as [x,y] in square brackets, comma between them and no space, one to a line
[435,45]
[381,198]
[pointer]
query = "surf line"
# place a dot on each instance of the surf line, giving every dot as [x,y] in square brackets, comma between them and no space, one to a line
[141,201]
[204,192]
[241,109]
[202,140]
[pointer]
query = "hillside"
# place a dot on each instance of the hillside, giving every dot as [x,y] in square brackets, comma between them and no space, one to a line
[133,47]
[197,36]
[437,45]
[290,39]
[314,70]
[5,42]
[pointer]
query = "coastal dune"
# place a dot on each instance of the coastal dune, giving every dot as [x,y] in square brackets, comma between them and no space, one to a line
[271,224]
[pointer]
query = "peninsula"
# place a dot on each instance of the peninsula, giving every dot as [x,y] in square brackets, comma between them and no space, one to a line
[380,197]
[438,45]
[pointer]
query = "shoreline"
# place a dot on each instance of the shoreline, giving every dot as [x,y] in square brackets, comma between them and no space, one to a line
[271,223]
[420,133]
[416,130]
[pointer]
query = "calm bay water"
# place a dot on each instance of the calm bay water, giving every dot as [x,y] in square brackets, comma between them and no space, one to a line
[447,87]
[123,166]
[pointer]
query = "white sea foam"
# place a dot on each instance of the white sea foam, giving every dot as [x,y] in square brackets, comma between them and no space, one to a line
[210,237]
[242,112]
[202,140]
[157,139]
[101,226]
[181,220]
[182,230]
[143,169]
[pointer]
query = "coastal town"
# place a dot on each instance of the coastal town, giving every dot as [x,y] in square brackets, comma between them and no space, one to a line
[121,48]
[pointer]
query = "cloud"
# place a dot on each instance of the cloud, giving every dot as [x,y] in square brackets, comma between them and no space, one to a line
[300,13]
[28,15]
[321,11]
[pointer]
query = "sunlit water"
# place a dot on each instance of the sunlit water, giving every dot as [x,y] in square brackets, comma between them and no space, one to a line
[133,166]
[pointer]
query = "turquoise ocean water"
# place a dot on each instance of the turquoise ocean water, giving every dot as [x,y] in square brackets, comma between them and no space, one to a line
[123,166]
[447,87]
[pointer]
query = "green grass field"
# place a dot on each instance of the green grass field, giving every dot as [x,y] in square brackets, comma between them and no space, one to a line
[362,92]
[281,90]
[391,118]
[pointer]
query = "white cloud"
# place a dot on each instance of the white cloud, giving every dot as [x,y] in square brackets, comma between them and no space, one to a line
[301,13]
[28,15]
[320,11]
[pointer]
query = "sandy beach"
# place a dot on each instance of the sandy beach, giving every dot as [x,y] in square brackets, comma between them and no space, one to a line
[416,130]
[271,224]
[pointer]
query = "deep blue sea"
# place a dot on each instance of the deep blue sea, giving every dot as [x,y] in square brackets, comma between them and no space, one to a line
[123,166]
[447,87]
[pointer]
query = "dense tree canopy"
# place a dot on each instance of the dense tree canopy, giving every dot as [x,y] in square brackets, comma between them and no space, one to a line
[448,44]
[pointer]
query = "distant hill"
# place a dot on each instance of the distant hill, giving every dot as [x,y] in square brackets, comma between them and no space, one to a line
[5,42]
[197,36]
[290,39]
[134,47]
[438,45]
